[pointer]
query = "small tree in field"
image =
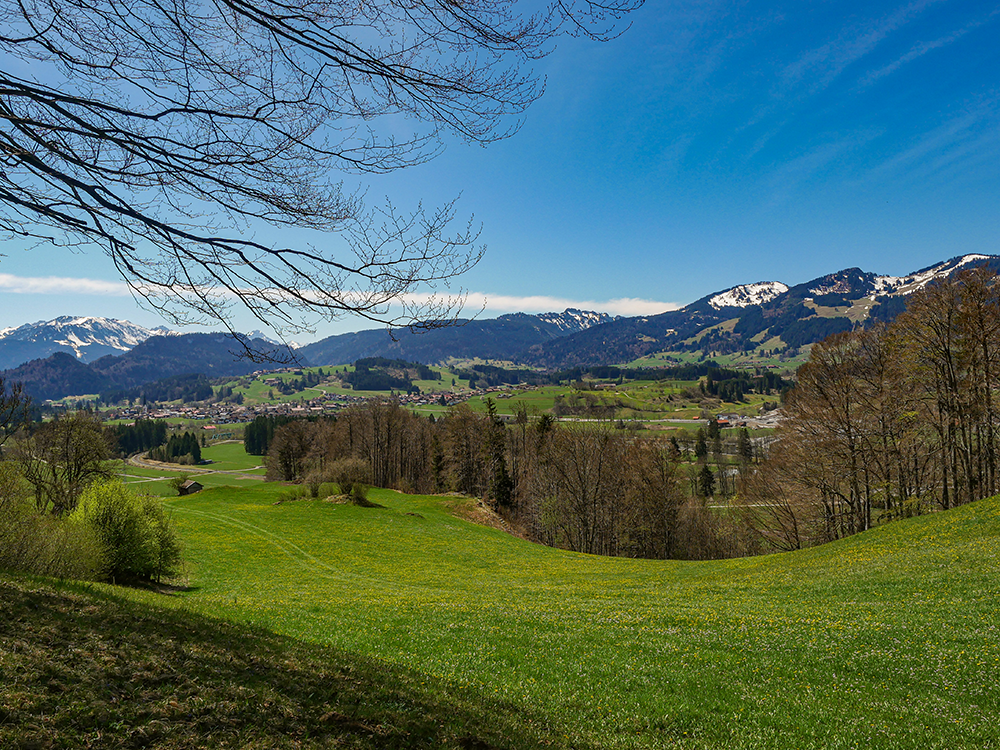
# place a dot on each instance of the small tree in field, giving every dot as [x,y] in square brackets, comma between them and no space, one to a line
[352,475]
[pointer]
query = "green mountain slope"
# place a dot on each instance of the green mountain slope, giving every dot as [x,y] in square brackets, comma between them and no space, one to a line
[888,639]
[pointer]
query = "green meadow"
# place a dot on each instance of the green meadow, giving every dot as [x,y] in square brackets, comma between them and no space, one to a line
[230,465]
[634,399]
[230,455]
[256,391]
[889,639]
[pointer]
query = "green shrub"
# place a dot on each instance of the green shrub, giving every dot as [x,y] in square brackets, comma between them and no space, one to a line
[293,493]
[359,496]
[350,473]
[133,529]
[48,546]
[43,544]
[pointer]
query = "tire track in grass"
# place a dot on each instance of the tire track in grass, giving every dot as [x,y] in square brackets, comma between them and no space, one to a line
[299,555]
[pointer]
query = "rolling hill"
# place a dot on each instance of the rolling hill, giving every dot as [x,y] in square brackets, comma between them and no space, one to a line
[315,624]
[156,358]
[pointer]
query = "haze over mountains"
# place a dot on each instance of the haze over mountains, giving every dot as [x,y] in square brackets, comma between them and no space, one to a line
[74,356]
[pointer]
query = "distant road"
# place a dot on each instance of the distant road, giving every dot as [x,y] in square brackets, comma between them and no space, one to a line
[144,463]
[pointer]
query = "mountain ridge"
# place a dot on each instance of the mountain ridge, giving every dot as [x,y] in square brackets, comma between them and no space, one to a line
[745,318]
[802,314]
[85,337]
[158,357]
[492,338]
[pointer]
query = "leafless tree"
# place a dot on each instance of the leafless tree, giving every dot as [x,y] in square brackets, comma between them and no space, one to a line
[62,457]
[290,450]
[170,135]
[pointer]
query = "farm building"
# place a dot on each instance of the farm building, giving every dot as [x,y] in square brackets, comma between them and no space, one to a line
[189,487]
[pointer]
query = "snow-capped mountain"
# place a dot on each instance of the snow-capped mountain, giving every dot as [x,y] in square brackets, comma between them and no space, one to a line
[898,285]
[762,316]
[259,334]
[746,295]
[572,320]
[86,338]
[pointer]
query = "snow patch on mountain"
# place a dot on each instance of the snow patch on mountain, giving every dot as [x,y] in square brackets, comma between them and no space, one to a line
[903,285]
[748,295]
[259,334]
[83,333]
[572,320]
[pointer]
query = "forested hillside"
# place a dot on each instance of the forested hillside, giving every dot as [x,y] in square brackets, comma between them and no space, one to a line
[500,338]
[155,359]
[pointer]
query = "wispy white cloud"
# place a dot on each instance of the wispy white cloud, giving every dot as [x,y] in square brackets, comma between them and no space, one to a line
[61,285]
[500,303]
[976,125]
[922,49]
[489,303]
[824,64]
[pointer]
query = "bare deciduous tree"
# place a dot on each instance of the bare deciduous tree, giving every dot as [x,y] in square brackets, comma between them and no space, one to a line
[62,457]
[169,134]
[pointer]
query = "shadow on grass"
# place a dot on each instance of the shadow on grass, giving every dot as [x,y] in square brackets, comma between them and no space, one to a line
[163,588]
[80,668]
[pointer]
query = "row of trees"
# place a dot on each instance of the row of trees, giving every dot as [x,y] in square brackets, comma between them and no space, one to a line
[888,421]
[183,449]
[141,436]
[597,490]
[258,434]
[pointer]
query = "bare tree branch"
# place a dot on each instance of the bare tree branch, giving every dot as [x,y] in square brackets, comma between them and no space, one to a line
[167,132]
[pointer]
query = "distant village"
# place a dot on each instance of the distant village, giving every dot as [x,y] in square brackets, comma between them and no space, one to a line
[323,404]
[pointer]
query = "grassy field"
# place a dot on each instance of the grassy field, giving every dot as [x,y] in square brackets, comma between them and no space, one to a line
[885,640]
[231,465]
[635,399]
[737,360]
[230,456]
[256,391]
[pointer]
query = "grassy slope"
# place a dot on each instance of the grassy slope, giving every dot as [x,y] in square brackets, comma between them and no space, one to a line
[888,639]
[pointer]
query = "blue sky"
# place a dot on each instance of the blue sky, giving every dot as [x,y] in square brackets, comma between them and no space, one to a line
[712,144]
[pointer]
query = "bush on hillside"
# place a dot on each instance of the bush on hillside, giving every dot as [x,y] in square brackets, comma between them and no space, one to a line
[352,475]
[293,493]
[134,531]
[41,543]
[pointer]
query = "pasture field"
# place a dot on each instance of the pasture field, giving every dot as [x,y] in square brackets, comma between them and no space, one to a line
[635,399]
[889,639]
[230,456]
[231,465]
[256,391]
[736,360]
[158,483]
[537,400]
